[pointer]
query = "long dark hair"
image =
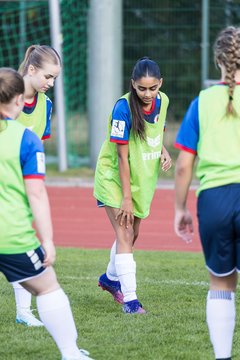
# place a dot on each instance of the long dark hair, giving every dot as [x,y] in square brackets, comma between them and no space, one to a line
[144,67]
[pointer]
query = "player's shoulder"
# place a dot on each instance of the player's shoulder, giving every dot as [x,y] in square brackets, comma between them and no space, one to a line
[163,95]
[48,100]
[30,138]
[211,90]
[17,126]
[45,97]
[121,104]
[121,107]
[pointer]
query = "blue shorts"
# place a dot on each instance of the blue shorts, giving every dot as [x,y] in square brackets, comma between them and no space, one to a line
[100,204]
[20,267]
[219,227]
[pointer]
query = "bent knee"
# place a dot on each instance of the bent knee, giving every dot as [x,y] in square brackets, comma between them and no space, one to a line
[48,290]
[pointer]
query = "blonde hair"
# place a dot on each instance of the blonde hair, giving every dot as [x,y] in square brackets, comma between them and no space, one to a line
[36,55]
[227,53]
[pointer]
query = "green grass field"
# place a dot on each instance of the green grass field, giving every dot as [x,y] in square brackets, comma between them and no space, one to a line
[171,286]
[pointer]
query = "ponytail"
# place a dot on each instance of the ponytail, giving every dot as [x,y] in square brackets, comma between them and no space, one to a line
[36,55]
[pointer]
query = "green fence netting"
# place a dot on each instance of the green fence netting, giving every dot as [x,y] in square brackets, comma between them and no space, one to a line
[23,23]
[167,31]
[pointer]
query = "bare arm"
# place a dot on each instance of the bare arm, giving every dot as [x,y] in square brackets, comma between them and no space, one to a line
[166,160]
[125,213]
[38,199]
[183,224]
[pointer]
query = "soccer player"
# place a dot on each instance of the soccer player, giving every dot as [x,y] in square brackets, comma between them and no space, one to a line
[23,196]
[40,68]
[127,173]
[211,131]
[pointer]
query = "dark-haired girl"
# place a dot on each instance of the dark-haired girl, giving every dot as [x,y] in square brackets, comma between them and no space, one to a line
[127,173]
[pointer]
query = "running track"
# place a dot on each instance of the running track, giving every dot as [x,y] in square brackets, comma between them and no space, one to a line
[79,223]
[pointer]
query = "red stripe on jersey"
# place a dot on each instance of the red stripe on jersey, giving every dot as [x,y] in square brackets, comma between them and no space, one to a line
[119,141]
[44,137]
[34,176]
[181,147]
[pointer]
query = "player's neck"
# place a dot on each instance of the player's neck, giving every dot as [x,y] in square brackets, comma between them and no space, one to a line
[29,93]
[237,76]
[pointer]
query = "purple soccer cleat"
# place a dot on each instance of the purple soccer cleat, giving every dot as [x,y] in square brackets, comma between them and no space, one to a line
[133,307]
[113,287]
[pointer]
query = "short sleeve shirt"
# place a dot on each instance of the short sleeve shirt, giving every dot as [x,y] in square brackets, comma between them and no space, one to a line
[122,123]
[32,157]
[188,134]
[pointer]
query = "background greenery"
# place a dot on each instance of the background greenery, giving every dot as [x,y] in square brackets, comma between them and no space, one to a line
[172,287]
[167,31]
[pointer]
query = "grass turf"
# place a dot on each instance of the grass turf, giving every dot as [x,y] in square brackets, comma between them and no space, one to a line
[172,287]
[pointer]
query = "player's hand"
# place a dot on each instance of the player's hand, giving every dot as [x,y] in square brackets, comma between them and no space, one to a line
[125,214]
[183,225]
[50,253]
[166,160]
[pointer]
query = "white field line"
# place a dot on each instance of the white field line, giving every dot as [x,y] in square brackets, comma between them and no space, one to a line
[88,183]
[145,281]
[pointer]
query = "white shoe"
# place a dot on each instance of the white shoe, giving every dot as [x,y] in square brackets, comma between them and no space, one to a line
[26,317]
[84,355]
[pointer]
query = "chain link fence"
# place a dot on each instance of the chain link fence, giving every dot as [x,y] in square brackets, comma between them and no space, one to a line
[167,31]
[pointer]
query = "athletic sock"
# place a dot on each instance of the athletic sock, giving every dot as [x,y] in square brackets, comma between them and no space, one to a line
[221,321]
[126,271]
[23,297]
[111,268]
[56,314]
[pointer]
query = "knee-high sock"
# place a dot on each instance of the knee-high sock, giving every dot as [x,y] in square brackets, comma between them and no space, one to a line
[221,321]
[126,271]
[56,314]
[111,268]
[23,297]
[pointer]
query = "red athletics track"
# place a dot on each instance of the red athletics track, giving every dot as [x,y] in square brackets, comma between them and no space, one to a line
[79,223]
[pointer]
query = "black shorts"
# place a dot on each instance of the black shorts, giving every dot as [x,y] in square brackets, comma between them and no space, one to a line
[219,228]
[20,267]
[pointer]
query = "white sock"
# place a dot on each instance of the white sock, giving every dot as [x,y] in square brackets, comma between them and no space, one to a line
[221,321]
[111,268]
[126,271]
[56,314]
[23,297]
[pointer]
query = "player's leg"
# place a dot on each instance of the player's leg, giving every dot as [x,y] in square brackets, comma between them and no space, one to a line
[111,268]
[124,262]
[217,232]
[24,313]
[55,312]
[52,303]
[109,281]
[220,312]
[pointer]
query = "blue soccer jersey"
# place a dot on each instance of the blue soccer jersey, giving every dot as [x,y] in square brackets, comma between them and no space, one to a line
[29,108]
[188,134]
[32,157]
[122,122]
